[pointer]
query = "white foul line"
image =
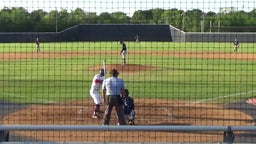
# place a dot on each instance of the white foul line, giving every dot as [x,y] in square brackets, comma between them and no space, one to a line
[231,95]
[25,97]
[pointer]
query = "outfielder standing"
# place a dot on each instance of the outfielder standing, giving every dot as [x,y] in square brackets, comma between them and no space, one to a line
[37,45]
[236,45]
[94,92]
[137,38]
[129,112]
[123,52]
[112,89]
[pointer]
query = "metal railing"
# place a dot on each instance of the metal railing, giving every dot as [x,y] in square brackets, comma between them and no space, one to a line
[228,135]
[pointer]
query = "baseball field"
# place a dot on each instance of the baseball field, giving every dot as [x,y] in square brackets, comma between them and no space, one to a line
[171,83]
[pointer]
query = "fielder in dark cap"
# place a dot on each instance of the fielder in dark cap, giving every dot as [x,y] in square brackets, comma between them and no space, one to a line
[112,93]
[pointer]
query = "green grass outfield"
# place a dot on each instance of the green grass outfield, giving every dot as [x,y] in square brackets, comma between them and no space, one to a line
[194,79]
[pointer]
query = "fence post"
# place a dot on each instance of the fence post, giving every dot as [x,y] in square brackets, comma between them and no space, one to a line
[4,136]
[228,136]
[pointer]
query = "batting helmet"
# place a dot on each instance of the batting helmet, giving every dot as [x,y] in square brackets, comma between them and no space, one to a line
[102,72]
[126,92]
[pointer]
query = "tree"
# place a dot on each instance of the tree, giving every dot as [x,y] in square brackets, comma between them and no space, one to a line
[142,17]
[173,17]
[49,21]
[21,20]
[18,19]
[193,18]
[105,18]
[120,17]
[62,20]
[157,16]
[210,19]
[90,17]
[5,20]
[36,18]
[76,17]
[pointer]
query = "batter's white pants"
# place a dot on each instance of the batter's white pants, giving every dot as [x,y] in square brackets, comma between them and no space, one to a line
[95,96]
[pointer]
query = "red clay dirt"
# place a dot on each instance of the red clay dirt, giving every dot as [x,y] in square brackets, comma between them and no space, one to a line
[148,111]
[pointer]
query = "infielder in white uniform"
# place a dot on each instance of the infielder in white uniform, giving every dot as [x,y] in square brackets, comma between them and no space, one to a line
[94,92]
[37,45]
[236,45]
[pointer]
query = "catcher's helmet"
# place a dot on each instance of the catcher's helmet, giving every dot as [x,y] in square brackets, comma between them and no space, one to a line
[126,92]
[102,72]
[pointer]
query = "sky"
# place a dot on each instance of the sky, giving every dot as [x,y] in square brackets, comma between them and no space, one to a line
[128,6]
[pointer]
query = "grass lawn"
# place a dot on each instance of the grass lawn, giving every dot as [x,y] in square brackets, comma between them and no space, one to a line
[62,79]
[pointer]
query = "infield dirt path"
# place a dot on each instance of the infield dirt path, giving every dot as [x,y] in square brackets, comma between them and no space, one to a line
[34,55]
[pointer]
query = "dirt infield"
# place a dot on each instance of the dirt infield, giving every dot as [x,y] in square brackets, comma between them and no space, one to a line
[187,54]
[148,111]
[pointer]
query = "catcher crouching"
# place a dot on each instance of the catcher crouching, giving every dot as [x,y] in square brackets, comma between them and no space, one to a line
[129,112]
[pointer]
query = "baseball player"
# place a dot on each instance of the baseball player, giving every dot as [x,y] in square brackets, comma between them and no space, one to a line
[37,45]
[94,92]
[112,89]
[129,112]
[123,52]
[136,38]
[236,45]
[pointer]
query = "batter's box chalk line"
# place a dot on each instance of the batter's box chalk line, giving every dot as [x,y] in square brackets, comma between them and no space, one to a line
[80,113]
[168,113]
[166,117]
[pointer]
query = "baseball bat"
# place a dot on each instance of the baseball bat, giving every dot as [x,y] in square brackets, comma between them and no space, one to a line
[104,66]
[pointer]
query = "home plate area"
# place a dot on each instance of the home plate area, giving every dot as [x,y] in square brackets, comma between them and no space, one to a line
[144,115]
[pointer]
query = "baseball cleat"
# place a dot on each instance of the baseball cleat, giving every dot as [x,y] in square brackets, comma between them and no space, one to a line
[94,116]
[131,122]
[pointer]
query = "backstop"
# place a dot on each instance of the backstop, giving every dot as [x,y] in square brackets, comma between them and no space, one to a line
[187,87]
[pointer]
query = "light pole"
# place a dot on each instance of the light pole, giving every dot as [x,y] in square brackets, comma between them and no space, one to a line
[183,20]
[219,26]
[56,20]
[202,23]
[210,26]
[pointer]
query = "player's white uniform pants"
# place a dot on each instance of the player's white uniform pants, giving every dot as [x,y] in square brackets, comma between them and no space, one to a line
[95,96]
[37,48]
[235,48]
[124,54]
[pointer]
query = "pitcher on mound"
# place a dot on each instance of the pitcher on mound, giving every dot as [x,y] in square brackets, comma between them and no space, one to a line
[123,52]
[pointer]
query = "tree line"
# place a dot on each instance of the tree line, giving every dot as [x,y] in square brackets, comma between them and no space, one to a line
[18,19]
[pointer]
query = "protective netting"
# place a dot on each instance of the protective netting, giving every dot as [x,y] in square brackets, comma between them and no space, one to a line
[184,63]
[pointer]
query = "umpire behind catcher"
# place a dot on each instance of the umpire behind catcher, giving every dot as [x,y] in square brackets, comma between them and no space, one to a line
[112,89]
